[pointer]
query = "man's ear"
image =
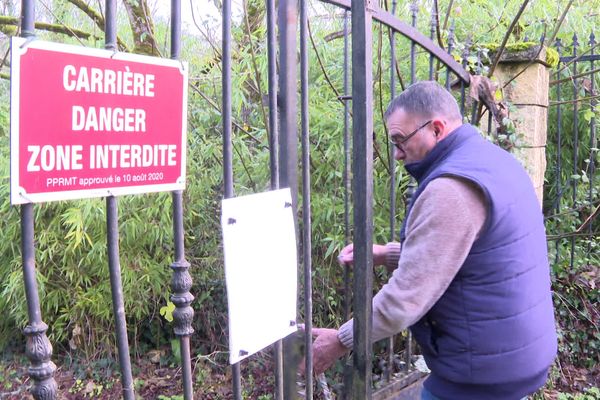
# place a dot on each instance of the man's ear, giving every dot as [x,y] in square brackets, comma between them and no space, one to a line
[438,126]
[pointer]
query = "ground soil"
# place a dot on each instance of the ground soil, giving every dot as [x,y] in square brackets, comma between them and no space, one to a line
[157,378]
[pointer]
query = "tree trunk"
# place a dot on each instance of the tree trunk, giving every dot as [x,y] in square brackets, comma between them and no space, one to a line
[142,27]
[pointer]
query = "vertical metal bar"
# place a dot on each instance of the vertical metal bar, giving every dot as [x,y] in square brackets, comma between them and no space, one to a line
[475,104]
[347,379]
[306,211]
[390,341]
[112,233]
[38,348]
[391,148]
[226,100]
[288,151]
[272,66]
[592,156]
[414,8]
[288,135]
[362,189]
[227,145]
[346,177]
[465,54]
[575,140]
[181,282]
[110,25]
[27,18]
[274,156]
[278,356]
[432,37]
[450,48]
[116,288]
[558,148]
[412,184]
[175,29]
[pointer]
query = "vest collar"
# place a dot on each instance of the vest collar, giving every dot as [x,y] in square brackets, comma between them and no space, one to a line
[420,169]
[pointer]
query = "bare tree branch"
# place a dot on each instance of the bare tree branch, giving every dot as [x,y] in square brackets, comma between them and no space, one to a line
[257,77]
[142,27]
[217,108]
[570,78]
[90,12]
[512,26]
[556,103]
[559,23]
[314,46]
[447,17]
[97,18]
[56,28]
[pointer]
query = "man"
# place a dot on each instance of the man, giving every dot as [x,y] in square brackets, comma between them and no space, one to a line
[470,277]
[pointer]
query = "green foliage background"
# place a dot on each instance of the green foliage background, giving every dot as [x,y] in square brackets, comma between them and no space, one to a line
[70,236]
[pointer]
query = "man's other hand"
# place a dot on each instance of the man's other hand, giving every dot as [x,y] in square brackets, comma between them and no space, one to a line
[327,348]
[346,256]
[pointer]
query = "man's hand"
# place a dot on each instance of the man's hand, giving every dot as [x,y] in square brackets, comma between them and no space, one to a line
[347,254]
[327,348]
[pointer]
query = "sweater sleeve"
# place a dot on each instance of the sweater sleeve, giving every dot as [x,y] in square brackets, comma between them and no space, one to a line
[392,255]
[444,223]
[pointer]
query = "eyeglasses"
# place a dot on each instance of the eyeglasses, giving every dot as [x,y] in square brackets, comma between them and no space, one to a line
[397,141]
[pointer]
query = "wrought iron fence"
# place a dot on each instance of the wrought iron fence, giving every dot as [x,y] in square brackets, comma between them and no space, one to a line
[39,349]
[573,180]
[573,202]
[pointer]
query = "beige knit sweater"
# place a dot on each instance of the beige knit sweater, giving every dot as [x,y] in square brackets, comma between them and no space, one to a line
[444,223]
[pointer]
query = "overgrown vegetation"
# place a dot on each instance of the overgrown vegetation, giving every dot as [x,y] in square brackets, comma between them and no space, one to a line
[70,236]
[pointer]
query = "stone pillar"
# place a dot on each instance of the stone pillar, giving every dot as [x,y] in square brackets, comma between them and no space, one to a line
[527,96]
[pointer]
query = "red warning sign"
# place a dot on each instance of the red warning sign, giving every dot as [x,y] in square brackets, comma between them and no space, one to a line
[93,123]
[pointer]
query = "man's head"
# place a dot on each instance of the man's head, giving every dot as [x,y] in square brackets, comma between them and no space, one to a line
[419,118]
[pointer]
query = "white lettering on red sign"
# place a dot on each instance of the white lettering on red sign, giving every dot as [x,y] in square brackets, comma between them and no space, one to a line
[132,156]
[66,158]
[107,81]
[50,158]
[108,119]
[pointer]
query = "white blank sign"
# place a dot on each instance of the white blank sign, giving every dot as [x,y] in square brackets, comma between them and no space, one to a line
[259,242]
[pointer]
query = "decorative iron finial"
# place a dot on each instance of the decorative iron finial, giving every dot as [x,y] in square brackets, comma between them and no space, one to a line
[467,48]
[433,22]
[558,45]
[575,40]
[592,39]
[434,14]
[414,9]
[451,37]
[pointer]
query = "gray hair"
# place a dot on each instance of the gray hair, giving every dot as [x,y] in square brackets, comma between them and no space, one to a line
[425,99]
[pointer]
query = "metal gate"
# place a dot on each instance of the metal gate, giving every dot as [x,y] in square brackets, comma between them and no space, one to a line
[282,93]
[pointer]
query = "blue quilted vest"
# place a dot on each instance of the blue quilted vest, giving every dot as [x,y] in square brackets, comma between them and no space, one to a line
[492,333]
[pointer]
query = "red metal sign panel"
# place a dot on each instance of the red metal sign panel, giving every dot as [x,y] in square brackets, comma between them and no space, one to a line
[93,123]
